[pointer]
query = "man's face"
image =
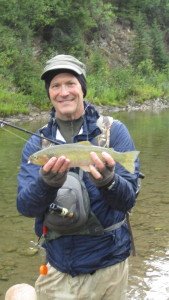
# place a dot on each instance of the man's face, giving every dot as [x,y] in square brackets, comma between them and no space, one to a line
[66,96]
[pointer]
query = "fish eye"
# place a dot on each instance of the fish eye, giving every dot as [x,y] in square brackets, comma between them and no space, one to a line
[35,157]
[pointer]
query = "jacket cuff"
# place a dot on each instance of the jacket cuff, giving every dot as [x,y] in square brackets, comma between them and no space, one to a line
[111,185]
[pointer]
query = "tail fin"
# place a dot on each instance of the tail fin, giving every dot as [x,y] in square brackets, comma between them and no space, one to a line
[129,160]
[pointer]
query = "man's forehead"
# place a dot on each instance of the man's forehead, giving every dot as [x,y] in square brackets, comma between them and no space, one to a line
[64,77]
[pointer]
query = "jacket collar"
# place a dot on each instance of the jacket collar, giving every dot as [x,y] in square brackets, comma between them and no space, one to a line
[90,128]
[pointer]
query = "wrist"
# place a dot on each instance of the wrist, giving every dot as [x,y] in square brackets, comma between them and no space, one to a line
[109,186]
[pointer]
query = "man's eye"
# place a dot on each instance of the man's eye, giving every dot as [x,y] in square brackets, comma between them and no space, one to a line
[71,83]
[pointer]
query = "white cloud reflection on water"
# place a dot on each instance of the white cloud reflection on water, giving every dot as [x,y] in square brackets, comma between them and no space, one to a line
[149,280]
[157,277]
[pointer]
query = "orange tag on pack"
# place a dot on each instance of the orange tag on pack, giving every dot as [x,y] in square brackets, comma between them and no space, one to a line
[43,270]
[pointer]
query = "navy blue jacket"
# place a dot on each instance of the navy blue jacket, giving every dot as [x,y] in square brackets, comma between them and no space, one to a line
[77,254]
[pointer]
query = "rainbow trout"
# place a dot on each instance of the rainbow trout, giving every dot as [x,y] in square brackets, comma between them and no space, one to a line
[79,155]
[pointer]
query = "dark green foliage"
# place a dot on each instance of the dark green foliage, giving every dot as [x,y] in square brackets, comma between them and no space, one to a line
[36,29]
[141,42]
[152,10]
[149,44]
[159,53]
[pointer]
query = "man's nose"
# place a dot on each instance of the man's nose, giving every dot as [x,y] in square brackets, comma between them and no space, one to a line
[64,90]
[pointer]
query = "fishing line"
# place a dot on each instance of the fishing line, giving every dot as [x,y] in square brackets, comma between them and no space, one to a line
[2,126]
[3,123]
[20,137]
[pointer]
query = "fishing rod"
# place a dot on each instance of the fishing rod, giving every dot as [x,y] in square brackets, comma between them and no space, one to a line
[3,123]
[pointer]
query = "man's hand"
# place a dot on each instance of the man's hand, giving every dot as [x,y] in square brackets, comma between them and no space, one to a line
[102,172]
[54,172]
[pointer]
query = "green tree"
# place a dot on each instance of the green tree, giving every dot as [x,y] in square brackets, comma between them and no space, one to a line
[159,53]
[142,42]
[152,10]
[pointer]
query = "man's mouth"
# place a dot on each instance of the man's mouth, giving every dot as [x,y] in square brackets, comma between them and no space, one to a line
[65,100]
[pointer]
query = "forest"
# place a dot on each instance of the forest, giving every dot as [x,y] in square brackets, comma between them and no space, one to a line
[124,44]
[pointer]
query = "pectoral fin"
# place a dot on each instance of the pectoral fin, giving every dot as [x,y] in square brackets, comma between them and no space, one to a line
[85,168]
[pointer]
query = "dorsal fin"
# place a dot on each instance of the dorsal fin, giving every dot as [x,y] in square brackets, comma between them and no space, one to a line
[85,143]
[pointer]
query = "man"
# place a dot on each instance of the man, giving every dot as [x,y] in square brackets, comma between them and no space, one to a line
[79,266]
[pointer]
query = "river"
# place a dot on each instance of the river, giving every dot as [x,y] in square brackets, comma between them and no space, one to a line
[149,276]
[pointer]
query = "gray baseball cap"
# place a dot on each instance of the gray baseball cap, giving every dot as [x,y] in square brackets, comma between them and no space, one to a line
[63,61]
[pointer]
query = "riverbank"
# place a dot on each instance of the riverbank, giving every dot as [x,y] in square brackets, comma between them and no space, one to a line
[155,106]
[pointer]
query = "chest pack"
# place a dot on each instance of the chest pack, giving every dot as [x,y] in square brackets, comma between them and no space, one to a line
[70,212]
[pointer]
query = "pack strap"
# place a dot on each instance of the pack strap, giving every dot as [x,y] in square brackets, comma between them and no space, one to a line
[104,123]
[115,226]
[131,233]
[118,225]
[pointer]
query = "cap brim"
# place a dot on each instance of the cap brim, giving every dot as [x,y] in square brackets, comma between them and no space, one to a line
[61,67]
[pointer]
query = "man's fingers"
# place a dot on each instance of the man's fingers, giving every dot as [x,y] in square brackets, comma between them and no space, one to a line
[49,165]
[95,173]
[57,165]
[100,163]
[109,161]
[97,161]
[64,166]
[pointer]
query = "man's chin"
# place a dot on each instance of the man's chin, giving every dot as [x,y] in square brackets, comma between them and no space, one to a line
[68,113]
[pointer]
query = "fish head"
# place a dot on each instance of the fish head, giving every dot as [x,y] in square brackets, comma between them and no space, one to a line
[39,160]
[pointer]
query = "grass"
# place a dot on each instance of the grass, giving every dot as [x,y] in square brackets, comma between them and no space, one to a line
[122,85]
[114,88]
[12,103]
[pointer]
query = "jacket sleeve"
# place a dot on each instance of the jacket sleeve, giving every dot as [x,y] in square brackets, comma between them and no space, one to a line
[34,195]
[122,195]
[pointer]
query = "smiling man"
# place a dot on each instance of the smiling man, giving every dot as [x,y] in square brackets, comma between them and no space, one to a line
[67,88]
[86,261]
[66,95]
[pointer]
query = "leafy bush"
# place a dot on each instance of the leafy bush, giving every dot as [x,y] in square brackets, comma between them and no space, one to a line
[12,103]
[33,31]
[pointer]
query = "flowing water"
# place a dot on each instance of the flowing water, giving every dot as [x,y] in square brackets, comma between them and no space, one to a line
[149,276]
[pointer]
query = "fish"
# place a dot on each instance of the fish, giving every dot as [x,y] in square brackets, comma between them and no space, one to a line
[79,155]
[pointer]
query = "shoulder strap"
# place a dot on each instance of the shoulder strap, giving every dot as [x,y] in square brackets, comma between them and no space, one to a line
[104,123]
[45,143]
